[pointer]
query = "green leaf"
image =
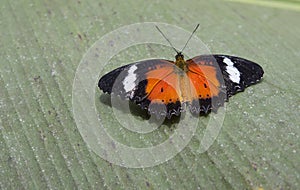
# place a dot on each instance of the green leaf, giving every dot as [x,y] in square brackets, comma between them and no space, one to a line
[42,44]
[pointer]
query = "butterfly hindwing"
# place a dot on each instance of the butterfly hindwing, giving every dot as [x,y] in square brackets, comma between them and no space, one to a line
[207,80]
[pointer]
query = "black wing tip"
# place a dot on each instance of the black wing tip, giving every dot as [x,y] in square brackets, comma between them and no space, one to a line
[251,73]
[104,86]
[107,81]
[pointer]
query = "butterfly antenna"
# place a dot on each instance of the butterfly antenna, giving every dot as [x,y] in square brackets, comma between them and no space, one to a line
[190,37]
[166,39]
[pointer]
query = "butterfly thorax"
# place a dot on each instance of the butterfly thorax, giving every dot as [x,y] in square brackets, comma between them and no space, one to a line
[180,62]
[184,91]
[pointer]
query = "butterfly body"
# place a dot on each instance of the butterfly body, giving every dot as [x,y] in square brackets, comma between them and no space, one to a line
[167,88]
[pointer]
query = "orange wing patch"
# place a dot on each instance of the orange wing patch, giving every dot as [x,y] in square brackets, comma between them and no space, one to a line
[163,89]
[154,76]
[170,84]
[204,79]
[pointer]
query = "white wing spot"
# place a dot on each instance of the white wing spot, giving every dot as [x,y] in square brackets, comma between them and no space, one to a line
[129,80]
[233,72]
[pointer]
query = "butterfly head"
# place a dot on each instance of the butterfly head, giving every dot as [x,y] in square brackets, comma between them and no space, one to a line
[179,56]
[180,62]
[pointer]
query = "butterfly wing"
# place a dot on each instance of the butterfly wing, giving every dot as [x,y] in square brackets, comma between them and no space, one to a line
[217,77]
[151,84]
[207,80]
[156,85]
[238,73]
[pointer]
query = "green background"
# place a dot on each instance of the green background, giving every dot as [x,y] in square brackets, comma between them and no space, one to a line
[43,42]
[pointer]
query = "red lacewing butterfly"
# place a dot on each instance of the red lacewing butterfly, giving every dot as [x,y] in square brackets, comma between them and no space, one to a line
[212,79]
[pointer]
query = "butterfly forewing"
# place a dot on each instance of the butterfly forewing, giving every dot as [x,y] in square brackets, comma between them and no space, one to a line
[238,73]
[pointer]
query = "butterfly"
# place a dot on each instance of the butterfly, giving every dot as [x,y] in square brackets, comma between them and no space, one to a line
[167,88]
